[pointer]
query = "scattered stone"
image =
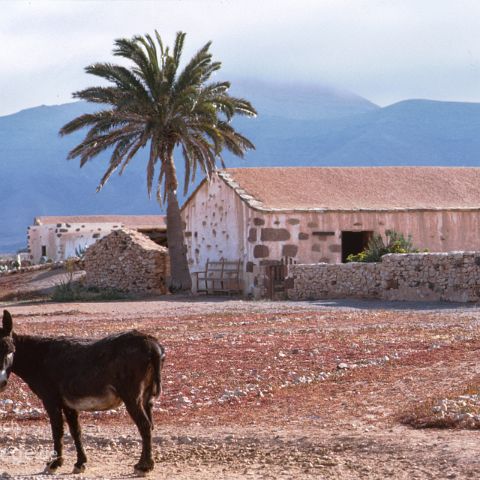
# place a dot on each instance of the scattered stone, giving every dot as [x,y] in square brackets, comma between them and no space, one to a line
[185,440]
[183,400]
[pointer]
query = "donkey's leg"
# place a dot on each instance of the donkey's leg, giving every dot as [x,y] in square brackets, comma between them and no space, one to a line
[56,421]
[148,406]
[76,432]
[140,417]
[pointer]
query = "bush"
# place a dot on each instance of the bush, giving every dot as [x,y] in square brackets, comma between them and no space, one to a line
[70,291]
[80,252]
[396,243]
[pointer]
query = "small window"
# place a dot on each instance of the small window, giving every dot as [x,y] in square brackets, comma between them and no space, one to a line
[44,250]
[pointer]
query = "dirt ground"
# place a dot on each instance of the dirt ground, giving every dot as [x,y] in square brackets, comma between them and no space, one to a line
[313,390]
[34,285]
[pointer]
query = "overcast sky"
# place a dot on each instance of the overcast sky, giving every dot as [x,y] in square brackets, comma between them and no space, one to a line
[384,50]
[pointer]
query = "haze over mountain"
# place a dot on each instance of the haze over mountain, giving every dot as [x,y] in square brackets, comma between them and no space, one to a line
[296,125]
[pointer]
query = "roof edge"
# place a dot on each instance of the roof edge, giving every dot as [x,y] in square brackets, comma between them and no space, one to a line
[190,197]
[222,174]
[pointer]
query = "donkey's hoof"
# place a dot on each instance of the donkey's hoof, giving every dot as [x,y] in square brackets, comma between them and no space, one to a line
[51,468]
[142,470]
[141,473]
[80,469]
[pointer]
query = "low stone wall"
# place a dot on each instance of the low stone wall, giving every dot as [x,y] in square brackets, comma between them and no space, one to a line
[453,276]
[128,261]
[34,268]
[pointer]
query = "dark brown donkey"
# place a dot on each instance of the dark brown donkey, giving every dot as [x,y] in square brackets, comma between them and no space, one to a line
[71,374]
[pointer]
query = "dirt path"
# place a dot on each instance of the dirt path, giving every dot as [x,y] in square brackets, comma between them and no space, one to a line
[268,390]
[197,453]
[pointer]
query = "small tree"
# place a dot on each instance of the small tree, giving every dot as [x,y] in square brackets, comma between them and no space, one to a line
[396,243]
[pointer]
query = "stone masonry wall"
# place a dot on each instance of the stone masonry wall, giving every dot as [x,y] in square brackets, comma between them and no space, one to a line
[453,276]
[128,261]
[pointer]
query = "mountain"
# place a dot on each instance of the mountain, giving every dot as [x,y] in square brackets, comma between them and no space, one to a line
[36,179]
[296,125]
[301,102]
[412,132]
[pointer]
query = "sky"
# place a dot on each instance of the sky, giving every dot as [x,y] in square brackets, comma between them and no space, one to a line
[384,50]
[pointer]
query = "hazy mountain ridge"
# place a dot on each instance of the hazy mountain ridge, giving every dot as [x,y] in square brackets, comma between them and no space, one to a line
[296,126]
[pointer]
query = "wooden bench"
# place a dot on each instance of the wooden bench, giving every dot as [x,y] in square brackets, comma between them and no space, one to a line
[220,277]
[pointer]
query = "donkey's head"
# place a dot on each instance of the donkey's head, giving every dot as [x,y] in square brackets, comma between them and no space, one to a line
[7,349]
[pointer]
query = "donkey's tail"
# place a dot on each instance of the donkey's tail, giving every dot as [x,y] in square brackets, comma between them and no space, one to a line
[158,356]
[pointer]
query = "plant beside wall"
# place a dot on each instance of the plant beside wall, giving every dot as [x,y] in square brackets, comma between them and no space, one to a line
[80,252]
[396,243]
[76,292]
[73,290]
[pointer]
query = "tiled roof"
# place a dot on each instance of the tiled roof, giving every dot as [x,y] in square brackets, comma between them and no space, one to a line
[129,221]
[356,188]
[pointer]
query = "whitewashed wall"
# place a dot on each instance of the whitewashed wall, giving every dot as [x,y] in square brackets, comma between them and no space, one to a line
[62,239]
[215,226]
[437,231]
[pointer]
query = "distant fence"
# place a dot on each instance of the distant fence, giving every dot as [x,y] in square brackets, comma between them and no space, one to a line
[453,276]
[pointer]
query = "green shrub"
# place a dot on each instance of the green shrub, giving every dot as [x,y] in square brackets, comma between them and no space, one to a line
[396,243]
[80,252]
[70,291]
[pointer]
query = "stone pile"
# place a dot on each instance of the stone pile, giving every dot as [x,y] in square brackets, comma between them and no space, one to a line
[452,276]
[462,411]
[128,261]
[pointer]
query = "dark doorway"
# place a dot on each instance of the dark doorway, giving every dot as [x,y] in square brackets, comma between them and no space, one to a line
[354,242]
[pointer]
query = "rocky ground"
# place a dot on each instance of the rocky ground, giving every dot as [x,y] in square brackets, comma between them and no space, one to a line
[334,390]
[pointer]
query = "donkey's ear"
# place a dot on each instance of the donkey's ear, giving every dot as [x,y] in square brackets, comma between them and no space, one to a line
[7,323]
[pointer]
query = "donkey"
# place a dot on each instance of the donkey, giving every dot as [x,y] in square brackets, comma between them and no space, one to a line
[71,375]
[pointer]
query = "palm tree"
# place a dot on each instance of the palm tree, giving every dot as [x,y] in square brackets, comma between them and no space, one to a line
[154,104]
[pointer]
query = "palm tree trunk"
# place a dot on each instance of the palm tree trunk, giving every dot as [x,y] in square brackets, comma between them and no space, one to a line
[180,280]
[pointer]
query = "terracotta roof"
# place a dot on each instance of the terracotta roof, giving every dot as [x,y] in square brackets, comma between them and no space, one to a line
[356,188]
[131,221]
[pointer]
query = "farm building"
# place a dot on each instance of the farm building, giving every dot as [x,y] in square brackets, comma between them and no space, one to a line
[323,214]
[58,238]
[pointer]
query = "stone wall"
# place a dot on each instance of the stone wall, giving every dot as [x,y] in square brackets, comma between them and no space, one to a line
[128,261]
[453,276]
